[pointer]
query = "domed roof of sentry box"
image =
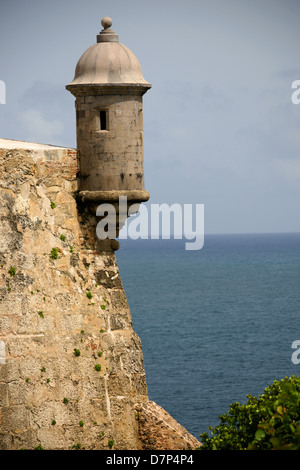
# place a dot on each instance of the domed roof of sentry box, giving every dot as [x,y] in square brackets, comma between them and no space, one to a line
[108,62]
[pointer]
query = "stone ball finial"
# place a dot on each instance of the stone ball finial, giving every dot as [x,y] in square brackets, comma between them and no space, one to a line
[106,22]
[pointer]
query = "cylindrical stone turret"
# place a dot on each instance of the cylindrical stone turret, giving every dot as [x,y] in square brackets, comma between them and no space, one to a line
[109,88]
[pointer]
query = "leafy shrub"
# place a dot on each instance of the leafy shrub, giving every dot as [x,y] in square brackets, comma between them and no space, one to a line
[269,422]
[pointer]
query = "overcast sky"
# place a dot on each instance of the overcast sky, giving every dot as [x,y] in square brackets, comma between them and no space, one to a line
[220,128]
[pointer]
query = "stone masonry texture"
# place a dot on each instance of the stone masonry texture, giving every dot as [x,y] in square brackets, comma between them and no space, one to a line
[159,431]
[110,160]
[71,366]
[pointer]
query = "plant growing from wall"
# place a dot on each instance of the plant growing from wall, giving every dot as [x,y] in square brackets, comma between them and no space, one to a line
[39,447]
[12,270]
[103,306]
[76,446]
[269,422]
[54,253]
[110,443]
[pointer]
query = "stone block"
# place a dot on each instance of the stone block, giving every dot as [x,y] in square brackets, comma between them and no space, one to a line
[120,321]
[15,418]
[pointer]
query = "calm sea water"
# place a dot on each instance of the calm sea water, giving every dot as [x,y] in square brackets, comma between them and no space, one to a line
[215,324]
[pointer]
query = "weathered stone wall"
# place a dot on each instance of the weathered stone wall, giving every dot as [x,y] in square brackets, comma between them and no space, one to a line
[63,315]
[71,366]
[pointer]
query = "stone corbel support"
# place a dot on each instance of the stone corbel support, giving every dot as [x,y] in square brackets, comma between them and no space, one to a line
[99,204]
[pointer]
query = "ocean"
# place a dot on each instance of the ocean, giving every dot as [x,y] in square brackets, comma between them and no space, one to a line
[216,324]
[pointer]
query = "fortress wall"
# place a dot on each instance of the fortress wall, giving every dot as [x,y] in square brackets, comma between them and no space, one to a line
[71,366]
[61,314]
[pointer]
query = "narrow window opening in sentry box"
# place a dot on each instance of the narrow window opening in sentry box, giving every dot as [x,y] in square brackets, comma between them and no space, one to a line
[103,120]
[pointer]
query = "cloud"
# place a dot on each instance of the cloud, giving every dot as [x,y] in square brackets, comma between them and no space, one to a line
[290,168]
[37,128]
[43,113]
[45,95]
[288,74]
